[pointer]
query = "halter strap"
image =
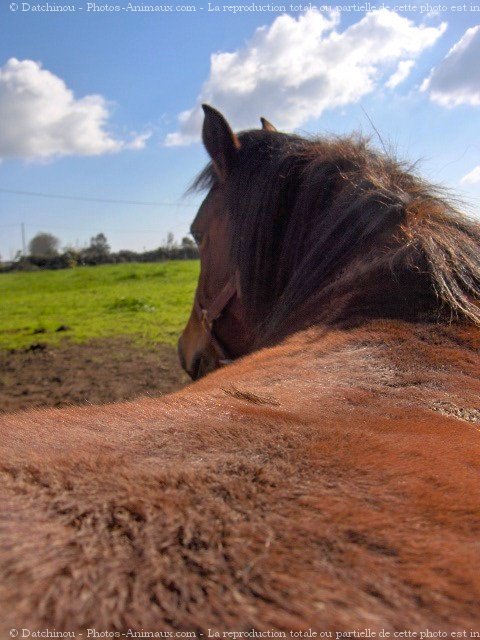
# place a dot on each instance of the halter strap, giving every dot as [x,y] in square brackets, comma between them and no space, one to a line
[208,315]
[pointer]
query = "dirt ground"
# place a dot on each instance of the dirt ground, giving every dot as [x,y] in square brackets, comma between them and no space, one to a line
[97,372]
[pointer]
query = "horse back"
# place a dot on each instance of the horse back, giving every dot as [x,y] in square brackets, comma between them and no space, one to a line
[330,482]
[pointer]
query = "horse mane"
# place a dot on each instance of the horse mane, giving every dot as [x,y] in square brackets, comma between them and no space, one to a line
[332,231]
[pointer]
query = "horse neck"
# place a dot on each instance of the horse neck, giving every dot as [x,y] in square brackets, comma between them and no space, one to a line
[417,365]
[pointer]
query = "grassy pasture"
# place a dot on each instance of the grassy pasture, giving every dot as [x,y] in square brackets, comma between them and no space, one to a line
[146,302]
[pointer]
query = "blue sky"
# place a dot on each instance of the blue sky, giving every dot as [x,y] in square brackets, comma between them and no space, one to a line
[90,102]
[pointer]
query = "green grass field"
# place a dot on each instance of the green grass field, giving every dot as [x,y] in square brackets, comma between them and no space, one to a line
[147,302]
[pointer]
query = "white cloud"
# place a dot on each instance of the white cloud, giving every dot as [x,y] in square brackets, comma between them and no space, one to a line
[401,74]
[41,118]
[296,68]
[473,177]
[456,80]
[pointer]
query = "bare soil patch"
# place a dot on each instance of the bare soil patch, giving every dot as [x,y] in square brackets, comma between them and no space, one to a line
[96,372]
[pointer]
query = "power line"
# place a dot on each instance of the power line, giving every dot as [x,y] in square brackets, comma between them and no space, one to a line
[91,230]
[103,200]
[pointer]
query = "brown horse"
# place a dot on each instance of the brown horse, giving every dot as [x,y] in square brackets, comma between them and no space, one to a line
[328,482]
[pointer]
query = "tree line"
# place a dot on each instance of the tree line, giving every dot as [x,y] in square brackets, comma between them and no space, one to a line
[44,253]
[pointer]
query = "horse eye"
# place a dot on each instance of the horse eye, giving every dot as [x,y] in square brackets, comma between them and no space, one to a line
[197,236]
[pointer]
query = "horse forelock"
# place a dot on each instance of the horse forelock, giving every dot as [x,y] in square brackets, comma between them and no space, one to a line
[333,231]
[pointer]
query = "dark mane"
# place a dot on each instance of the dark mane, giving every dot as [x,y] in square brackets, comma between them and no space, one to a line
[332,231]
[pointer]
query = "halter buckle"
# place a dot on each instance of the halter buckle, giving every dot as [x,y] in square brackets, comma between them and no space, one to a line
[207,326]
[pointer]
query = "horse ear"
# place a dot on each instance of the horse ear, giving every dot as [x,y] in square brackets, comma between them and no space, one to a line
[219,140]
[266,125]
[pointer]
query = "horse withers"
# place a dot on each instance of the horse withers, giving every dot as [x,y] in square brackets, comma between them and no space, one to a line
[327,480]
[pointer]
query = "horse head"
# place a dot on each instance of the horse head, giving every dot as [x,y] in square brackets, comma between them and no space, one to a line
[218,329]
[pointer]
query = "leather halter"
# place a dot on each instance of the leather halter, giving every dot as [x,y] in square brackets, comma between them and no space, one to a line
[208,315]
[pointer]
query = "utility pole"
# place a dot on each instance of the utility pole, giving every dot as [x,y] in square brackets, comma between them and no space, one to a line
[24,245]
